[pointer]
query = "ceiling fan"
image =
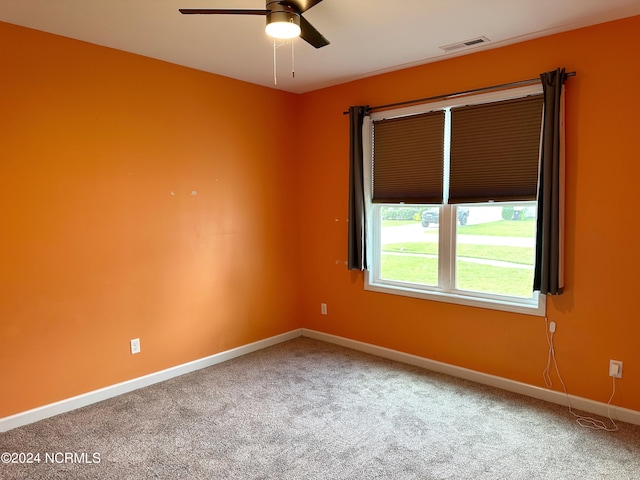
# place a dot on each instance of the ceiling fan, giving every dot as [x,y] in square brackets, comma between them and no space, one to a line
[284,19]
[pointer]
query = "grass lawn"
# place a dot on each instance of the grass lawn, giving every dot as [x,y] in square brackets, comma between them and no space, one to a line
[471,276]
[502,228]
[409,268]
[478,277]
[487,278]
[522,255]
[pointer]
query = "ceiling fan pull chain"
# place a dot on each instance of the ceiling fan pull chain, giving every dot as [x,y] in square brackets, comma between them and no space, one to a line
[275,72]
[293,60]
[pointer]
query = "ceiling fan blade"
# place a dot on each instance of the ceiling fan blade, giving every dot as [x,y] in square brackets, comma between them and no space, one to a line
[300,6]
[310,35]
[218,11]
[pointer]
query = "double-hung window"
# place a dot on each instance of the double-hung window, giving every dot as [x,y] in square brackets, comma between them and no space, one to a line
[450,192]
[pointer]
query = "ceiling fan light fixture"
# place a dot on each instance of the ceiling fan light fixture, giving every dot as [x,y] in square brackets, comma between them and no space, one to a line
[283,25]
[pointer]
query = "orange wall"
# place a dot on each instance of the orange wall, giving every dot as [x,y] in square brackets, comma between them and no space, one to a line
[101,239]
[596,317]
[95,249]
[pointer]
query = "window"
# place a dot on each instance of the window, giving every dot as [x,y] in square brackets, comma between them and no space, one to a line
[451,200]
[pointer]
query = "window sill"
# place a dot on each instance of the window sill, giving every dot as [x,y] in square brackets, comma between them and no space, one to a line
[536,307]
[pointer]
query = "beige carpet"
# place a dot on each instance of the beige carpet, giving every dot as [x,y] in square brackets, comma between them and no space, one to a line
[311,410]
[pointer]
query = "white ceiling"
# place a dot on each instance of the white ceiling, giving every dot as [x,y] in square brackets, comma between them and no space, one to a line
[367,36]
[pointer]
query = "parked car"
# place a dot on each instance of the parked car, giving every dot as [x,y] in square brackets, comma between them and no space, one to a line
[430,216]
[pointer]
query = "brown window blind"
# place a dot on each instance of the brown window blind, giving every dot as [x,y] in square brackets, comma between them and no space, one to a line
[408,159]
[495,151]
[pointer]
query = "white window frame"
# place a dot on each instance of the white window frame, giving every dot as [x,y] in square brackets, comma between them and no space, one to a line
[530,306]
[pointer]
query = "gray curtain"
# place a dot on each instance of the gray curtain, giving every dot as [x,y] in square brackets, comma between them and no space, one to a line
[357,250]
[548,273]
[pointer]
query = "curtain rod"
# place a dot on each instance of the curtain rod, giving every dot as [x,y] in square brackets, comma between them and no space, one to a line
[519,83]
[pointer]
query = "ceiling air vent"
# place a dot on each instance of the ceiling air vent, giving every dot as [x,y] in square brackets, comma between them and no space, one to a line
[474,42]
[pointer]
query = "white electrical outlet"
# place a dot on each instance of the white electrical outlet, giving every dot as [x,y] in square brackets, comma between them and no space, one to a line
[323,308]
[135,346]
[615,368]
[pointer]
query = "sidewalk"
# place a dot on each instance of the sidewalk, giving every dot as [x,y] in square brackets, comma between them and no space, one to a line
[482,261]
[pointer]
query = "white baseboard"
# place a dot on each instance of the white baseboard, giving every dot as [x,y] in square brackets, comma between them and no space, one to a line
[46,411]
[578,403]
[552,396]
